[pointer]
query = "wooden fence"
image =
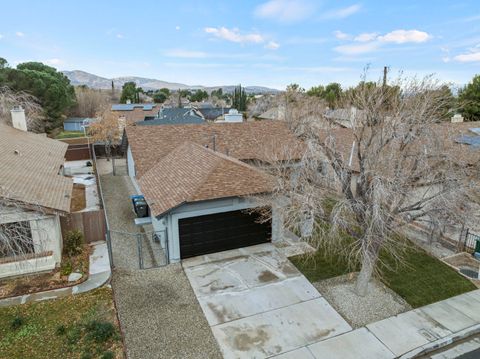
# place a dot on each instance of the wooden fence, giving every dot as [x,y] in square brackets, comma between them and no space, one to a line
[91,224]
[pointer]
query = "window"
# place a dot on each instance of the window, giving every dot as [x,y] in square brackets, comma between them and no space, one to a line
[15,239]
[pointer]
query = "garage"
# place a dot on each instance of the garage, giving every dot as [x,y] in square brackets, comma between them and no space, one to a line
[221,231]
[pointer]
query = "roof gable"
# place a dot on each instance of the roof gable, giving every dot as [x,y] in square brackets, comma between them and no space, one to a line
[244,141]
[192,173]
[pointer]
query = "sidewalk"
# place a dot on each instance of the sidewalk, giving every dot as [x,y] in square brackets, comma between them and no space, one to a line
[99,274]
[405,335]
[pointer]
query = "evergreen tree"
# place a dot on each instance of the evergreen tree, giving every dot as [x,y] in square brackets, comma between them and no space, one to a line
[239,100]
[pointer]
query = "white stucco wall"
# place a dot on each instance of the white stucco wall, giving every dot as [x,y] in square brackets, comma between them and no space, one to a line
[131,170]
[130,163]
[46,236]
[169,222]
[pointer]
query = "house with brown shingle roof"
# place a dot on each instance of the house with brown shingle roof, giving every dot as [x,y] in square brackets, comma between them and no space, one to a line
[33,195]
[199,180]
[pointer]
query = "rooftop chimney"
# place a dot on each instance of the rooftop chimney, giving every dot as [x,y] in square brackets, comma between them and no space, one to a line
[18,118]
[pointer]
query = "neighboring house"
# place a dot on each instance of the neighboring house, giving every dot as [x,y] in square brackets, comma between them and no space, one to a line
[132,113]
[345,117]
[33,195]
[174,116]
[197,181]
[213,113]
[77,123]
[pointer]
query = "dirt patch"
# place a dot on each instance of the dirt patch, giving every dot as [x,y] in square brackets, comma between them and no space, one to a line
[58,278]
[79,200]
[266,276]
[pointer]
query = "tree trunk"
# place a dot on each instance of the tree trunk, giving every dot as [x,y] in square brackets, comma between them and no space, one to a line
[368,263]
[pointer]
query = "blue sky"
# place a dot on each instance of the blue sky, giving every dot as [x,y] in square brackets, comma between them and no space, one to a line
[270,43]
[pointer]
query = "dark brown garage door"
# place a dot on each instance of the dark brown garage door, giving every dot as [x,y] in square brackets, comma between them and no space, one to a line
[220,232]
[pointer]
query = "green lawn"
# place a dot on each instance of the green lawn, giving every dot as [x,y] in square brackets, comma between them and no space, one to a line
[70,134]
[81,326]
[421,280]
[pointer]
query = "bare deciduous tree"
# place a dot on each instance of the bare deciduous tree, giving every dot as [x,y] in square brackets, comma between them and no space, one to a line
[16,236]
[33,111]
[395,166]
[106,129]
[89,101]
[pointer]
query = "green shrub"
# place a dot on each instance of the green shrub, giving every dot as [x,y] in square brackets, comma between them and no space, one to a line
[108,355]
[86,355]
[17,322]
[66,267]
[61,329]
[73,243]
[99,331]
[73,335]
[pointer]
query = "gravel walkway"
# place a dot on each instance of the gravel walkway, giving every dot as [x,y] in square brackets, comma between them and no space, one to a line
[160,315]
[378,304]
[116,192]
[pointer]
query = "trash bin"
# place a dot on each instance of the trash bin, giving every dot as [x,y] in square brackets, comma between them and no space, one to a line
[140,206]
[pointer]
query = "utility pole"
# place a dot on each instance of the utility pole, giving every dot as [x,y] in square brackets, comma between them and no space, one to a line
[385,71]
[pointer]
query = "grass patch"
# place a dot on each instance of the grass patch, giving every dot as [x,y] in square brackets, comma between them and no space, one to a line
[424,279]
[80,326]
[420,280]
[69,134]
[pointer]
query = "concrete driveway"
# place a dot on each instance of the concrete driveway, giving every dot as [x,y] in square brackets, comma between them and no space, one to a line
[258,304]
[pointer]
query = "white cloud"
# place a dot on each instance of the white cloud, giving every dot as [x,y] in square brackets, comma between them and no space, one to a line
[355,49]
[470,57]
[20,34]
[120,36]
[341,35]
[272,45]
[366,36]
[284,10]
[186,54]
[404,36]
[1,36]
[177,27]
[54,62]
[342,13]
[234,35]
[371,41]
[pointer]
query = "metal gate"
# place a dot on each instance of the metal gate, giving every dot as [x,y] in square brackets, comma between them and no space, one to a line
[138,250]
[152,249]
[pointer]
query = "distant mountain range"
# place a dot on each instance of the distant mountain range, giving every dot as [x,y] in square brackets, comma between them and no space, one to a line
[78,77]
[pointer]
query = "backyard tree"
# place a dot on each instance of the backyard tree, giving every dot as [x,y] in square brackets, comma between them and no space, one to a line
[469,98]
[105,130]
[129,92]
[354,190]
[239,99]
[33,111]
[89,101]
[52,89]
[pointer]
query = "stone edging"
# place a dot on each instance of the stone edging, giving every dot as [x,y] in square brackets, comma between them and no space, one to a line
[94,280]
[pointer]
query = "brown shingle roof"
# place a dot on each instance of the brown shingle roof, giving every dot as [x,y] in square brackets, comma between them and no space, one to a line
[244,141]
[137,114]
[191,173]
[29,170]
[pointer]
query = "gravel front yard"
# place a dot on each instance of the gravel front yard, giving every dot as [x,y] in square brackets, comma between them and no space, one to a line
[160,315]
[380,302]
